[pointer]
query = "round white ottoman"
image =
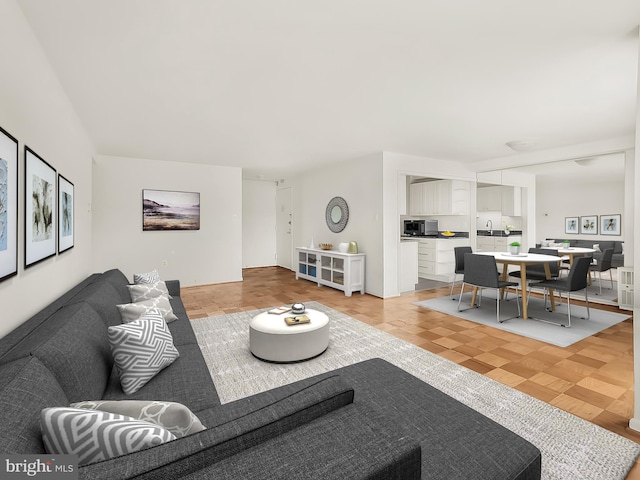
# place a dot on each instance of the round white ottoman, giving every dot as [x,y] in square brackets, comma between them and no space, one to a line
[271,339]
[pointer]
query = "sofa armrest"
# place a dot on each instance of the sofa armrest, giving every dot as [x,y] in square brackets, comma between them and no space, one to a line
[190,453]
[174,287]
[355,442]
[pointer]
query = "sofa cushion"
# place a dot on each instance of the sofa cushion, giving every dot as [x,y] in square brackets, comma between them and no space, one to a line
[93,435]
[186,381]
[103,298]
[145,291]
[132,311]
[26,387]
[78,352]
[174,417]
[141,349]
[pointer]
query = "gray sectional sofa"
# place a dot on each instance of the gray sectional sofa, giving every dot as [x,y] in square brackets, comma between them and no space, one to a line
[618,248]
[370,420]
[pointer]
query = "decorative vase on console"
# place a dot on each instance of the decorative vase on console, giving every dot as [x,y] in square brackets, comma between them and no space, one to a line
[343,247]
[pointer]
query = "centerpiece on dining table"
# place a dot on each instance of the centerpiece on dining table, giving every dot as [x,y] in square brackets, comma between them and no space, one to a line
[514,248]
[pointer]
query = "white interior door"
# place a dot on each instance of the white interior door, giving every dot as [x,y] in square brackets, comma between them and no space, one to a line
[284,228]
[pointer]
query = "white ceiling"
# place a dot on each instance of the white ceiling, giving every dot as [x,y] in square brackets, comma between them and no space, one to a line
[274,86]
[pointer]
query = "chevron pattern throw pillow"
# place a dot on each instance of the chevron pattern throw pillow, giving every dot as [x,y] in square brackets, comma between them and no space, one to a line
[173,416]
[94,435]
[150,277]
[141,349]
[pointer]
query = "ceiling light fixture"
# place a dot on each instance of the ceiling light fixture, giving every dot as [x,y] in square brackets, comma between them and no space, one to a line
[522,145]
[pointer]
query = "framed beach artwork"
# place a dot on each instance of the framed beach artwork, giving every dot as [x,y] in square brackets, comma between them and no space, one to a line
[571,225]
[610,224]
[169,210]
[589,225]
[40,214]
[8,205]
[65,214]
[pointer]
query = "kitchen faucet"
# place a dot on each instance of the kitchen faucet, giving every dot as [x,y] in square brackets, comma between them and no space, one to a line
[490,225]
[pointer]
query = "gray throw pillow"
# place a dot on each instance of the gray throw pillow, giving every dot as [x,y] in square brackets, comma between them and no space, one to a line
[173,416]
[94,435]
[132,311]
[141,349]
[145,291]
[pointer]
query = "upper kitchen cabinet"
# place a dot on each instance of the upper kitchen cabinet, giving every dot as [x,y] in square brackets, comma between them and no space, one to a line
[500,198]
[511,201]
[439,197]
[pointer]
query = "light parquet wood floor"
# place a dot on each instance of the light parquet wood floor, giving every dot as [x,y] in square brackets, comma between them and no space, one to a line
[592,379]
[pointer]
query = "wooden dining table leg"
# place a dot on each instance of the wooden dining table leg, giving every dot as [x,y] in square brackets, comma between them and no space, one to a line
[474,295]
[523,283]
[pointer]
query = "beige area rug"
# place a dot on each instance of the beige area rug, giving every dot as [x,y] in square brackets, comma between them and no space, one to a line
[571,448]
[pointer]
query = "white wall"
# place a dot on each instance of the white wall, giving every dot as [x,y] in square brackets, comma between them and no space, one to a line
[558,198]
[212,254]
[258,223]
[359,182]
[35,110]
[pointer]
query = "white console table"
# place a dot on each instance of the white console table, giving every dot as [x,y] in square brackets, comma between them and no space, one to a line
[344,271]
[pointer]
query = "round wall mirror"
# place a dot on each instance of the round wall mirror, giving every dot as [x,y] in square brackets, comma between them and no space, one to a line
[337,214]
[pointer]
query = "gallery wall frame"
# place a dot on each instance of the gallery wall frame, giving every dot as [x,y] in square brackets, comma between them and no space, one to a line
[66,217]
[8,205]
[40,213]
[589,225]
[170,210]
[571,224]
[610,224]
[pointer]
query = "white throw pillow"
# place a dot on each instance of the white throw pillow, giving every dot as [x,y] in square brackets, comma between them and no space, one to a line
[545,243]
[94,435]
[141,349]
[150,277]
[145,291]
[133,311]
[173,416]
[596,247]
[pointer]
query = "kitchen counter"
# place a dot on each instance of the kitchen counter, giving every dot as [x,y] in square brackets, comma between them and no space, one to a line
[439,235]
[497,233]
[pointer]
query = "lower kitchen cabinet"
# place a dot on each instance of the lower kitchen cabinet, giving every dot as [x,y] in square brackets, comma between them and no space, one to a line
[436,258]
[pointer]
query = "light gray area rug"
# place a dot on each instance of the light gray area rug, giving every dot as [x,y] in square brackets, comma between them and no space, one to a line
[545,332]
[571,448]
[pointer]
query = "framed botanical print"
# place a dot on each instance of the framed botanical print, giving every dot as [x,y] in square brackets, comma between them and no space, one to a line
[571,225]
[8,205]
[610,224]
[65,214]
[40,209]
[589,225]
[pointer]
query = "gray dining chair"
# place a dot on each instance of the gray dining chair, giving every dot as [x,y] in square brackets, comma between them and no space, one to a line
[575,281]
[536,272]
[603,265]
[480,271]
[459,266]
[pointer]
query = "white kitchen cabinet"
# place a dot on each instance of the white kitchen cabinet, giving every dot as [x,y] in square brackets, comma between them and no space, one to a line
[439,197]
[489,199]
[408,268]
[496,243]
[436,257]
[344,271]
[511,201]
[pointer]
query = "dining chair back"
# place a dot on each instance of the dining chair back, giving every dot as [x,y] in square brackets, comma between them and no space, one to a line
[459,266]
[480,271]
[603,265]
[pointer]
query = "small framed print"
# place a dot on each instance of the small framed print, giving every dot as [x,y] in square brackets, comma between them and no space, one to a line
[65,214]
[40,209]
[571,225]
[610,224]
[589,225]
[8,205]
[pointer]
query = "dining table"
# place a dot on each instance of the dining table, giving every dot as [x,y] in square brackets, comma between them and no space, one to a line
[572,252]
[522,260]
